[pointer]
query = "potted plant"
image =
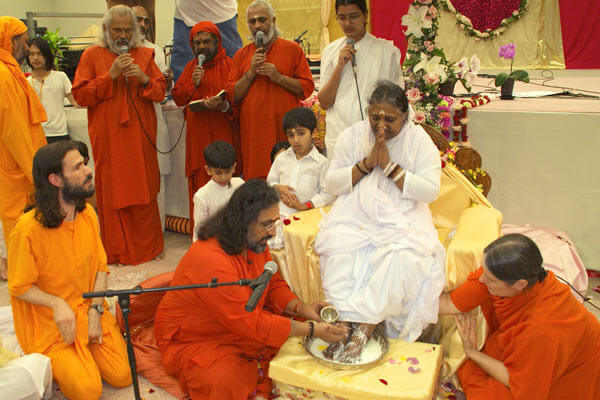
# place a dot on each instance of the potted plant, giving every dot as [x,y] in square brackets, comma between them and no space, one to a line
[507,81]
[57,44]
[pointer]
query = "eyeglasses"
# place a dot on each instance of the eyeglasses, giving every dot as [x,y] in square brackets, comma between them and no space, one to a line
[262,20]
[270,225]
[121,31]
[351,17]
[145,19]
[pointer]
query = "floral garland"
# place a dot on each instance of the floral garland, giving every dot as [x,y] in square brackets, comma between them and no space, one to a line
[460,107]
[465,23]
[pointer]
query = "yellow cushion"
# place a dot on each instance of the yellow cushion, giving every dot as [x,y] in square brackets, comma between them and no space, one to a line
[390,379]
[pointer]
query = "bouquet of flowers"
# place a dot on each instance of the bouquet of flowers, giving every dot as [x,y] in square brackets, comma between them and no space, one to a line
[508,52]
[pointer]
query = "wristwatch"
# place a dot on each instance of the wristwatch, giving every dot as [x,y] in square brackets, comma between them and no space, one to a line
[97,307]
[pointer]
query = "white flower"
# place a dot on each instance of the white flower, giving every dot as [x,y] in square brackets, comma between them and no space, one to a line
[415,21]
[469,76]
[460,66]
[431,66]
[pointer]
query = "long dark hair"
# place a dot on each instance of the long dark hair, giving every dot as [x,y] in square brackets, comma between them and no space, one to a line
[48,160]
[44,47]
[513,257]
[230,225]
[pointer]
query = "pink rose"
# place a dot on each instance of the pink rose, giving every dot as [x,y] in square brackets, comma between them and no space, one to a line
[431,79]
[413,94]
[419,117]
[433,11]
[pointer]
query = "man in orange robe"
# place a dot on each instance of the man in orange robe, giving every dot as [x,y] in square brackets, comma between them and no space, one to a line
[267,81]
[543,343]
[118,81]
[21,133]
[204,82]
[55,255]
[206,337]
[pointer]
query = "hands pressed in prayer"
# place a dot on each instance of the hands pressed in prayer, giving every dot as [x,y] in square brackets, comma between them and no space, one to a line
[64,318]
[119,65]
[383,156]
[346,54]
[467,329]
[197,75]
[134,71]
[168,74]
[94,327]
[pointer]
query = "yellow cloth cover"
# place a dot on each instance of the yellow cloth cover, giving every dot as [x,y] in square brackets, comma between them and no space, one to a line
[390,379]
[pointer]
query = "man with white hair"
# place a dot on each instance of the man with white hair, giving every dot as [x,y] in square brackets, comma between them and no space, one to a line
[118,81]
[268,78]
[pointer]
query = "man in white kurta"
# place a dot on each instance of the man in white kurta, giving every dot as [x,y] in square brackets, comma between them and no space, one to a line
[376,59]
[380,256]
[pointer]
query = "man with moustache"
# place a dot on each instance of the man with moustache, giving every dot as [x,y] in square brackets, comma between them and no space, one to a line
[267,79]
[55,255]
[215,121]
[162,131]
[21,133]
[206,337]
[118,81]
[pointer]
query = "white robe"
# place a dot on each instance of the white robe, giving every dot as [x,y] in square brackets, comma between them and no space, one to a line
[380,255]
[376,59]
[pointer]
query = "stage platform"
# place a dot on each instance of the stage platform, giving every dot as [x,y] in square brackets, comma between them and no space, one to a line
[541,154]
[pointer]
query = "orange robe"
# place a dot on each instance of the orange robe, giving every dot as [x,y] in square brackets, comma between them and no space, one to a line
[547,340]
[64,262]
[207,339]
[264,105]
[21,133]
[203,127]
[127,176]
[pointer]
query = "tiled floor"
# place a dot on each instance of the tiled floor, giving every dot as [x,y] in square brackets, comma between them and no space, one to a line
[175,247]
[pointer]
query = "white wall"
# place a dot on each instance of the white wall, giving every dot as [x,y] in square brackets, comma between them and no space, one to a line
[165,9]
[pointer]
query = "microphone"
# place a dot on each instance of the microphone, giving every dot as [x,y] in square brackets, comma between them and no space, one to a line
[260,37]
[350,42]
[260,285]
[122,50]
[201,58]
[297,40]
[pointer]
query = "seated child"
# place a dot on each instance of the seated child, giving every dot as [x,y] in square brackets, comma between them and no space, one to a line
[298,173]
[210,198]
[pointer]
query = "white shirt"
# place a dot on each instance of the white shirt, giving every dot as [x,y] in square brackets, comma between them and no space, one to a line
[52,91]
[306,176]
[376,59]
[210,198]
[215,11]
[163,142]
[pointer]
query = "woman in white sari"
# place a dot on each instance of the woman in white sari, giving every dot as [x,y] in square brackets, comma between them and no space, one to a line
[381,259]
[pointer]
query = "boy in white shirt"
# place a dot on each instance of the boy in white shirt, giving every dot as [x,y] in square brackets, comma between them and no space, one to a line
[298,174]
[210,198]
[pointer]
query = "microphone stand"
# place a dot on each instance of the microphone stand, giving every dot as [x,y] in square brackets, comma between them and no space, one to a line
[124,303]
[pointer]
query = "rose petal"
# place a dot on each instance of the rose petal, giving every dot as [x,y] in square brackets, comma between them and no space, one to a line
[150,390]
[383,381]
[286,221]
[296,218]
[414,370]
[412,360]
[392,361]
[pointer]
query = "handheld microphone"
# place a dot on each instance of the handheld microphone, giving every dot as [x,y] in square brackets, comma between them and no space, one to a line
[297,40]
[260,284]
[201,58]
[122,50]
[260,37]
[350,42]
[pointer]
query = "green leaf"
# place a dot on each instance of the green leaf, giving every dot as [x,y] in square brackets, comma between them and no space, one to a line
[501,78]
[520,75]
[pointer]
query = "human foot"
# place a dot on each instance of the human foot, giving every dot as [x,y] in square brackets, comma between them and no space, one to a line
[359,338]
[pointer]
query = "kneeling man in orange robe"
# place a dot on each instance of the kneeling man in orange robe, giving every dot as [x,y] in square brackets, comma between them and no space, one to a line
[206,337]
[55,254]
[543,343]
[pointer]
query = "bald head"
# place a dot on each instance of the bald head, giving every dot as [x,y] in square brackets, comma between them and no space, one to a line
[143,20]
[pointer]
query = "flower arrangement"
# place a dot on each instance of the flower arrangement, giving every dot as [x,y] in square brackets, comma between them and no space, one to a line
[426,66]
[508,52]
[465,23]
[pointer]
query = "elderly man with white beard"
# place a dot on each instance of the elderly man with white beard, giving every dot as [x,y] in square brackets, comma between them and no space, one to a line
[118,81]
[268,78]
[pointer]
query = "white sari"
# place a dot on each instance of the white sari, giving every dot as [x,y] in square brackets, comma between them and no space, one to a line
[380,255]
